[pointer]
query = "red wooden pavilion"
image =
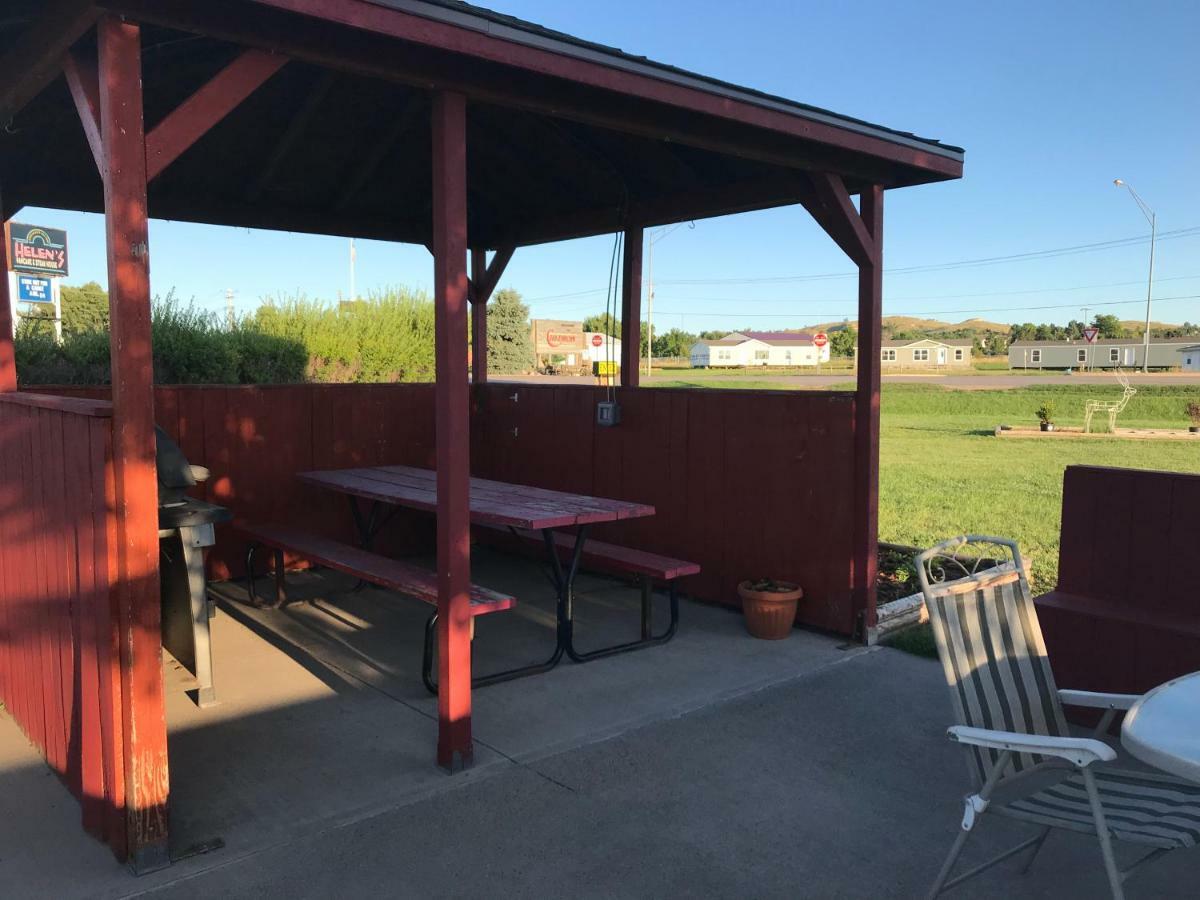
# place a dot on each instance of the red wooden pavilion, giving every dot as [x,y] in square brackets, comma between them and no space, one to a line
[426,121]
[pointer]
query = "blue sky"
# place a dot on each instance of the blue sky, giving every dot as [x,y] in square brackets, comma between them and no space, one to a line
[1051,101]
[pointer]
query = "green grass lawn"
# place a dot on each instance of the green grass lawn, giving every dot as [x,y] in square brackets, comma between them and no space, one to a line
[943,472]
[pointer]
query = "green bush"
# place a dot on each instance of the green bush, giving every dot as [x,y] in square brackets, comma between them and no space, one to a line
[388,337]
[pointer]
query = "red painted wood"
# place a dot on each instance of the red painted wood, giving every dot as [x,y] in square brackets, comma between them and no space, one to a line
[600,555]
[835,212]
[144,728]
[449,127]
[866,423]
[631,307]
[54,594]
[479,302]
[34,61]
[79,405]
[8,360]
[83,82]
[108,645]
[473,43]
[1123,617]
[220,96]
[402,577]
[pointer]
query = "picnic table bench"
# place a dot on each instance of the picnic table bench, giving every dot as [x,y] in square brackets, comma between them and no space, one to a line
[519,508]
[646,568]
[394,575]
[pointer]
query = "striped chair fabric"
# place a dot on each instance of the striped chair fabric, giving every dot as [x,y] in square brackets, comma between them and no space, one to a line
[998,671]
[1139,807]
[994,658]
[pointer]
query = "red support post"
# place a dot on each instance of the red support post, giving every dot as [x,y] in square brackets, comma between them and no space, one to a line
[455,748]
[8,359]
[479,304]
[866,413]
[144,727]
[631,307]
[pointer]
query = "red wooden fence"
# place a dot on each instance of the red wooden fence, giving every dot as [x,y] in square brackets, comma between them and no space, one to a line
[59,651]
[1124,616]
[746,483]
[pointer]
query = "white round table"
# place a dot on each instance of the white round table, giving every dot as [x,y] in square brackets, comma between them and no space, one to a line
[1163,728]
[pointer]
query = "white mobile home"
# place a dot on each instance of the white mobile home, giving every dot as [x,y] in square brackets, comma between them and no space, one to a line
[758,348]
[1190,356]
[1105,353]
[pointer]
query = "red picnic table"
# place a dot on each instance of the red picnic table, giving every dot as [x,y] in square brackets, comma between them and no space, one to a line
[498,504]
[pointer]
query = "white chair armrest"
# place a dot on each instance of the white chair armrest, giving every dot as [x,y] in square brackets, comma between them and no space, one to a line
[1078,751]
[1095,700]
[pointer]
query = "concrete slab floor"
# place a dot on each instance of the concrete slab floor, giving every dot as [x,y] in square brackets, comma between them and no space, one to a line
[322,718]
[717,765]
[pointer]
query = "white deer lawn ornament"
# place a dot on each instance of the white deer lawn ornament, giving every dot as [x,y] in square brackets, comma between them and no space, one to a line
[1112,407]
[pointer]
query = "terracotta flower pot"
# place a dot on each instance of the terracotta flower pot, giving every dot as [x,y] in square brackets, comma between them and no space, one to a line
[769,614]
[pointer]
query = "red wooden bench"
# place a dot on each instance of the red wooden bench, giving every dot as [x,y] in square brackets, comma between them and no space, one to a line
[647,568]
[1124,616]
[390,574]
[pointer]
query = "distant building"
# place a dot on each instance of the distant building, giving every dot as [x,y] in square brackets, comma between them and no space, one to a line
[1190,357]
[1105,353]
[926,353]
[758,348]
[599,347]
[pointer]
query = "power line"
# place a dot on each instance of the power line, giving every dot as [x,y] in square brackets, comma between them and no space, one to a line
[936,312]
[961,264]
[1191,231]
[1078,287]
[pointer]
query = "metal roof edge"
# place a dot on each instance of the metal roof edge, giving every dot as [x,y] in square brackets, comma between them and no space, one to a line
[514,30]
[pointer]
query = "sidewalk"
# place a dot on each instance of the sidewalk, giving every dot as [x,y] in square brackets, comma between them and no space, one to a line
[837,783]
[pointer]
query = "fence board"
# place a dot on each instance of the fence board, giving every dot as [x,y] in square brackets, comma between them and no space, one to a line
[55,598]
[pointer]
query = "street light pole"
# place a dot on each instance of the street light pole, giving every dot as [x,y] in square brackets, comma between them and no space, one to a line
[1153,220]
[650,242]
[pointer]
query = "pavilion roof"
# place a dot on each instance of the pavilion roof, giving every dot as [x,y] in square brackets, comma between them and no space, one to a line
[566,138]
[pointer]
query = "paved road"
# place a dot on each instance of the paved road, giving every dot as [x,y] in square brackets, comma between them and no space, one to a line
[962,382]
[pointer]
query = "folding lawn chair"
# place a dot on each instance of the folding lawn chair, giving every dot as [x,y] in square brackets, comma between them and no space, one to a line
[1022,760]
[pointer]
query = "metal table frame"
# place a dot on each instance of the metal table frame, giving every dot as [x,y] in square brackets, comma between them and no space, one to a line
[380,513]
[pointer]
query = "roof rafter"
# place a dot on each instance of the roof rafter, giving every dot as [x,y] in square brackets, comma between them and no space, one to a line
[38,57]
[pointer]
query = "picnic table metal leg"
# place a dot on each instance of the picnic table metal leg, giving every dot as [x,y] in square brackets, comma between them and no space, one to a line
[566,583]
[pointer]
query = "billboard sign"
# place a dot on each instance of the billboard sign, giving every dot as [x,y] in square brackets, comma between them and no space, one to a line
[41,251]
[34,289]
[551,336]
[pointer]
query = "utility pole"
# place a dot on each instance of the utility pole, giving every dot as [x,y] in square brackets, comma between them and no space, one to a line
[1091,344]
[229,319]
[353,260]
[650,309]
[1153,220]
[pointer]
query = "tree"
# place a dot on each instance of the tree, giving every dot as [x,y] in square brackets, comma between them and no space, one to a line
[674,343]
[509,349]
[603,323]
[1109,325]
[843,341]
[84,308]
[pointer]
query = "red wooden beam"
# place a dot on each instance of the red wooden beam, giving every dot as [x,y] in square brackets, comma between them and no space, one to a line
[866,416]
[648,87]
[144,727]
[36,55]
[831,206]
[8,359]
[631,308]
[223,93]
[455,747]
[478,317]
[83,82]
[484,287]
[801,144]
[484,278]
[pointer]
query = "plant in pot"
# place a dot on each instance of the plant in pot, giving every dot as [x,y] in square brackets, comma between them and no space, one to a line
[1193,413]
[769,607]
[1045,414]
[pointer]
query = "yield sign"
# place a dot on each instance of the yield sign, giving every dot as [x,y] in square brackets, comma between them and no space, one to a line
[1089,334]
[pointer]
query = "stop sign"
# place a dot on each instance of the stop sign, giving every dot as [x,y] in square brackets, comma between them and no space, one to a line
[597,340]
[820,339]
